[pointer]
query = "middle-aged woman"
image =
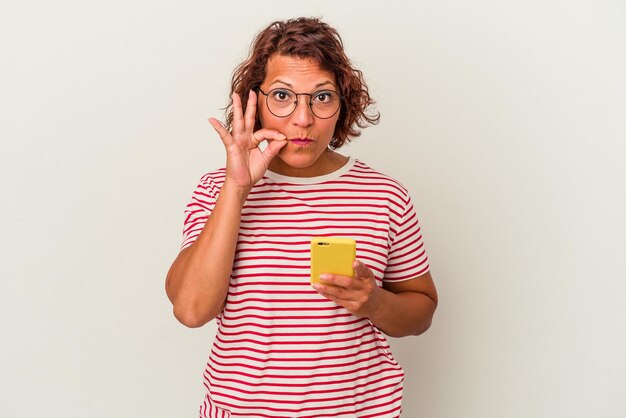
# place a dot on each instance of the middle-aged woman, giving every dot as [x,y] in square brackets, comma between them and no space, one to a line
[284,347]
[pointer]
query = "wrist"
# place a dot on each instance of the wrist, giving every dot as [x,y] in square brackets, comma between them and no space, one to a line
[237,192]
[378,307]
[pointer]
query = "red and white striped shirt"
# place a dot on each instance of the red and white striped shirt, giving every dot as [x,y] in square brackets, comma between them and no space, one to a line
[281,348]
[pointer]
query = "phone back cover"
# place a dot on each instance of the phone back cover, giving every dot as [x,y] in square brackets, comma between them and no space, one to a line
[332,255]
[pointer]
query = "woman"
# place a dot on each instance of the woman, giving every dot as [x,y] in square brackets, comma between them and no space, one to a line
[284,347]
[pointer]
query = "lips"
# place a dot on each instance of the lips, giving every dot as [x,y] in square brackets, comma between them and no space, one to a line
[301,141]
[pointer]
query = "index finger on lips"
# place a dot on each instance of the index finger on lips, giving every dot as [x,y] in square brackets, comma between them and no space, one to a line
[250,116]
[265,134]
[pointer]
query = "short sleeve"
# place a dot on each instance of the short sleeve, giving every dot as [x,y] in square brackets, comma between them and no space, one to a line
[198,210]
[407,257]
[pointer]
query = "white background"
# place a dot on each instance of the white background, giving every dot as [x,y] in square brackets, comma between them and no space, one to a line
[505,119]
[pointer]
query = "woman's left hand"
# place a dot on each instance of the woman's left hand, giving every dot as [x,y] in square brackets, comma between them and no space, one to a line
[358,294]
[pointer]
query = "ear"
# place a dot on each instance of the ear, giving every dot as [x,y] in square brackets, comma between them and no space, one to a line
[257,124]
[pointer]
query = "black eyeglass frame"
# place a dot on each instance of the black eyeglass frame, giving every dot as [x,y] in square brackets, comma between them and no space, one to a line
[267,96]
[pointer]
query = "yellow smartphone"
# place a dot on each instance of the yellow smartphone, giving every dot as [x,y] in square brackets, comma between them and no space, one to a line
[332,255]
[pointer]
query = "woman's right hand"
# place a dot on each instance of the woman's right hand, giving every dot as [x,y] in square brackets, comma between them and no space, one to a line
[245,162]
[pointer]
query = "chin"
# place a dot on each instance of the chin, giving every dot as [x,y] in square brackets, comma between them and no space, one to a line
[298,160]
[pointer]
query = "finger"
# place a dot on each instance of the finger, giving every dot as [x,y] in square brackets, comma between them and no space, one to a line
[337,280]
[331,292]
[250,116]
[221,130]
[273,148]
[361,270]
[238,121]
[265,134]
[333,298]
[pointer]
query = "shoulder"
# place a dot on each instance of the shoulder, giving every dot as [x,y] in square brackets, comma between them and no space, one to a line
[365,172]
[214,178]
[208,188]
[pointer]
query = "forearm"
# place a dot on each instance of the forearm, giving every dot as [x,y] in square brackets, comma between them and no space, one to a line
[198,281]
[402,314]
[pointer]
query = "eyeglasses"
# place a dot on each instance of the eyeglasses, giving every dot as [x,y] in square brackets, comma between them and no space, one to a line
[282,102]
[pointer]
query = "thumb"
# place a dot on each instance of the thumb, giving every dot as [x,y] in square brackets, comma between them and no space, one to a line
[361,270]
[273,147]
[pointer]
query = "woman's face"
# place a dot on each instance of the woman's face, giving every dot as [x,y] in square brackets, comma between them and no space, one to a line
[306,152]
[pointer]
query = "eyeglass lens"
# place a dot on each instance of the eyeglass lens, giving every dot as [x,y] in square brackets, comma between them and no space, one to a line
[282,102]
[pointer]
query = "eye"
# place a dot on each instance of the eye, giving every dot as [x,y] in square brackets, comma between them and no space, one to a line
[282,95]
[324,96]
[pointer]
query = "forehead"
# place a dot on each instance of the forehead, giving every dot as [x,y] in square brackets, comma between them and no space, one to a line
[298,72]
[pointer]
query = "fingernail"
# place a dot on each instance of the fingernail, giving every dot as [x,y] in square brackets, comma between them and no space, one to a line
[324,276]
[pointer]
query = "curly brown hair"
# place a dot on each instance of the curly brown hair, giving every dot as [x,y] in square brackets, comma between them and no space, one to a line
[313,39]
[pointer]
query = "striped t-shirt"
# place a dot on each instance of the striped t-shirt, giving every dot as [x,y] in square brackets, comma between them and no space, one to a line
[281,348]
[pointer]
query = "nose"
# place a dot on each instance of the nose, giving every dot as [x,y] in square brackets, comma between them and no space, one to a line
[302,116]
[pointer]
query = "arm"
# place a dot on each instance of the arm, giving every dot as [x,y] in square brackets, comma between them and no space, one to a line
[406,308]
[197,282]
[398,309]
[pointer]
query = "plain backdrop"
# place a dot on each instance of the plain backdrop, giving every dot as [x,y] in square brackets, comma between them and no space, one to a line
[506,120]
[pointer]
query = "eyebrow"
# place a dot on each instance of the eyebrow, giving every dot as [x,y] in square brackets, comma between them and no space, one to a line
[316,86]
